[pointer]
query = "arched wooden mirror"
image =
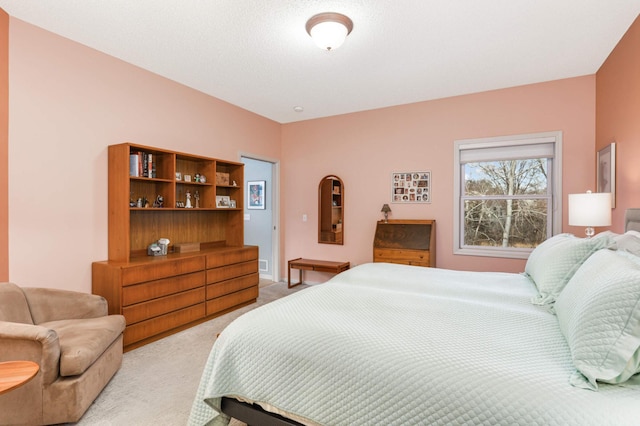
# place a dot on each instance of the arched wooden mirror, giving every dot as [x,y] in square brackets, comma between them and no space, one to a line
[331,210]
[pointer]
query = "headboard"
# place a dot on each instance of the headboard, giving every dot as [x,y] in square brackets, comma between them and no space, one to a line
[632,220]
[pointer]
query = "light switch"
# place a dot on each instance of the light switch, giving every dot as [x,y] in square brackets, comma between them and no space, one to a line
[247,216]
[304,217]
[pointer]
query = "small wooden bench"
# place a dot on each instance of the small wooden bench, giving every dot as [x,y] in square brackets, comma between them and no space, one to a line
[315,265]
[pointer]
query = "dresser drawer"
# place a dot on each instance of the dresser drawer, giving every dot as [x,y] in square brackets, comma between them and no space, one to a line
[229,286]
[230,256]
[157,270]
[231,271]
[157,325]
[230,300]
[409,257]
[163,305]
[153,289]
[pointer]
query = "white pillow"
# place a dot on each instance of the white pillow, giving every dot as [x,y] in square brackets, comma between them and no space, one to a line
[599,315]
[629,242]
[552,264]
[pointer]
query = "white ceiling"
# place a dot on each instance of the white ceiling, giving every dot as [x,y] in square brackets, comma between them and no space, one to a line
[257,55]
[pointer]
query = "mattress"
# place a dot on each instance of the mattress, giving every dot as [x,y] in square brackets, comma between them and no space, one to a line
[385,344]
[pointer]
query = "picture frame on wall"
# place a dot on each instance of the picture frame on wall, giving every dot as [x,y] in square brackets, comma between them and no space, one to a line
[411,187]
[606,171]
[256,194]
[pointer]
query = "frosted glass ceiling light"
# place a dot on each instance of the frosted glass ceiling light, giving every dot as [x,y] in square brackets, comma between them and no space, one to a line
[329,30]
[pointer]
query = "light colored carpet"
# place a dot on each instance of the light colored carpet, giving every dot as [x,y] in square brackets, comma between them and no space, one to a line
[157,382]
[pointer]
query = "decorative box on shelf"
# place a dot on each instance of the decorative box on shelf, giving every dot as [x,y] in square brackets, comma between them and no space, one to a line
[222,178]
[186,247]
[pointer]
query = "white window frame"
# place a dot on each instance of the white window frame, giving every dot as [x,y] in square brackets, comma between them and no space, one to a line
[499,143]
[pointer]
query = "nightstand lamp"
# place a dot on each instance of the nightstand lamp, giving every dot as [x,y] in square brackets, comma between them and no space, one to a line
[386,210]
[590,209]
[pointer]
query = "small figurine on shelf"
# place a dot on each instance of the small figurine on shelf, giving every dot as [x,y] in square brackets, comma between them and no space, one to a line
[159,202]
[234,183]
[197,198]
[197,177]
[188,204]
[203,179]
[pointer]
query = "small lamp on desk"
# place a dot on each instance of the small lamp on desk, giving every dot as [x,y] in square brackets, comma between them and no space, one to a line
[590,209]
[386,210]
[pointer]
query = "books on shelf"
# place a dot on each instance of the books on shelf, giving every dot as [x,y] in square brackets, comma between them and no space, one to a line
[133,165]
[142,164]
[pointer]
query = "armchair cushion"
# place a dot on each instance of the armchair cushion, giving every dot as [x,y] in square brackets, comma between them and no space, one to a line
[83,341]
[47,304]
[14,304]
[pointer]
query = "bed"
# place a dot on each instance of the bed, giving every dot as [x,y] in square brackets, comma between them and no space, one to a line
[384,344]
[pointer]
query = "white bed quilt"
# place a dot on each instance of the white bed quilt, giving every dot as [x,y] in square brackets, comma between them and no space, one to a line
[386,344]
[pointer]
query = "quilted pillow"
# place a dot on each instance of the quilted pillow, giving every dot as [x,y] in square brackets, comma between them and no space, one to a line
[629,241]
[599,315]
[552,264]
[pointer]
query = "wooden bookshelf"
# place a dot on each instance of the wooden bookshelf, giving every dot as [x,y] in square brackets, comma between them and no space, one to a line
[175,289]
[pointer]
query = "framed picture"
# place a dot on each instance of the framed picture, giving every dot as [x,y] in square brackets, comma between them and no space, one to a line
[606,171]
[222,201]
[255,194]
[411,187]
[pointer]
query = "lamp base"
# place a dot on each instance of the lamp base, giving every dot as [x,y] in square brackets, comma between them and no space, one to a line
[589,231]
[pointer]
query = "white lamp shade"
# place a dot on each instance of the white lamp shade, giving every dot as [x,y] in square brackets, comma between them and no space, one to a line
[590,209]
[329,35]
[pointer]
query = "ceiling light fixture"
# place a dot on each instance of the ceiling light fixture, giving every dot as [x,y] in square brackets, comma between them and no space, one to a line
[329,30]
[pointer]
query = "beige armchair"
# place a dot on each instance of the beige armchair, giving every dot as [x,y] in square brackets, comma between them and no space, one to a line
[76,343]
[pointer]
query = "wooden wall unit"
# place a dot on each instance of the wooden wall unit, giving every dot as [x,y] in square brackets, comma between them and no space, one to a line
[159,295]
[331,210]
[409,242]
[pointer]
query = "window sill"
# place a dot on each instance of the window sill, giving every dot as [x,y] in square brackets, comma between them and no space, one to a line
[494,252]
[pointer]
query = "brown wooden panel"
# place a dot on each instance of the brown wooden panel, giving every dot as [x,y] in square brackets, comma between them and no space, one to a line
[161,269]
[145,329]
[105,281]
[163,305]
[227,256]
[405,235]
[153,289]
[387,255]
[179,225]
[229,286]
[225,302]
[231,271]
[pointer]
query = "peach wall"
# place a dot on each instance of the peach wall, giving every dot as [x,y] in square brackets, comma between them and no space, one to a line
[365,148]
[4,145]
[618,118]
[68,103]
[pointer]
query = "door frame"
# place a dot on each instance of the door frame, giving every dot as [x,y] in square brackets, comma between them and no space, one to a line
[275,194]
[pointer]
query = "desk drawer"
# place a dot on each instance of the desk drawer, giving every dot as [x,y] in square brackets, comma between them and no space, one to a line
[159,288]
[408,257]
[161,269]
[230,256]
[231,271]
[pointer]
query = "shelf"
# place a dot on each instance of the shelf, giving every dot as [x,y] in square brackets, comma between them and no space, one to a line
[132,229]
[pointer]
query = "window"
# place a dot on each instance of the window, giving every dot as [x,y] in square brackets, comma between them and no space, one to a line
[508,194]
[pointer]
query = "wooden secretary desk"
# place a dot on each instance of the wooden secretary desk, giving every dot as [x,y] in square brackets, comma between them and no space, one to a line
[406,241]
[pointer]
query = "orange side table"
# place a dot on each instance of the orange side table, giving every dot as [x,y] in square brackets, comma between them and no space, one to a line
[14,374]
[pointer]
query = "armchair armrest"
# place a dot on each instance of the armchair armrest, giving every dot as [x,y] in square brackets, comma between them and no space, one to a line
[47,304]
[31,343]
